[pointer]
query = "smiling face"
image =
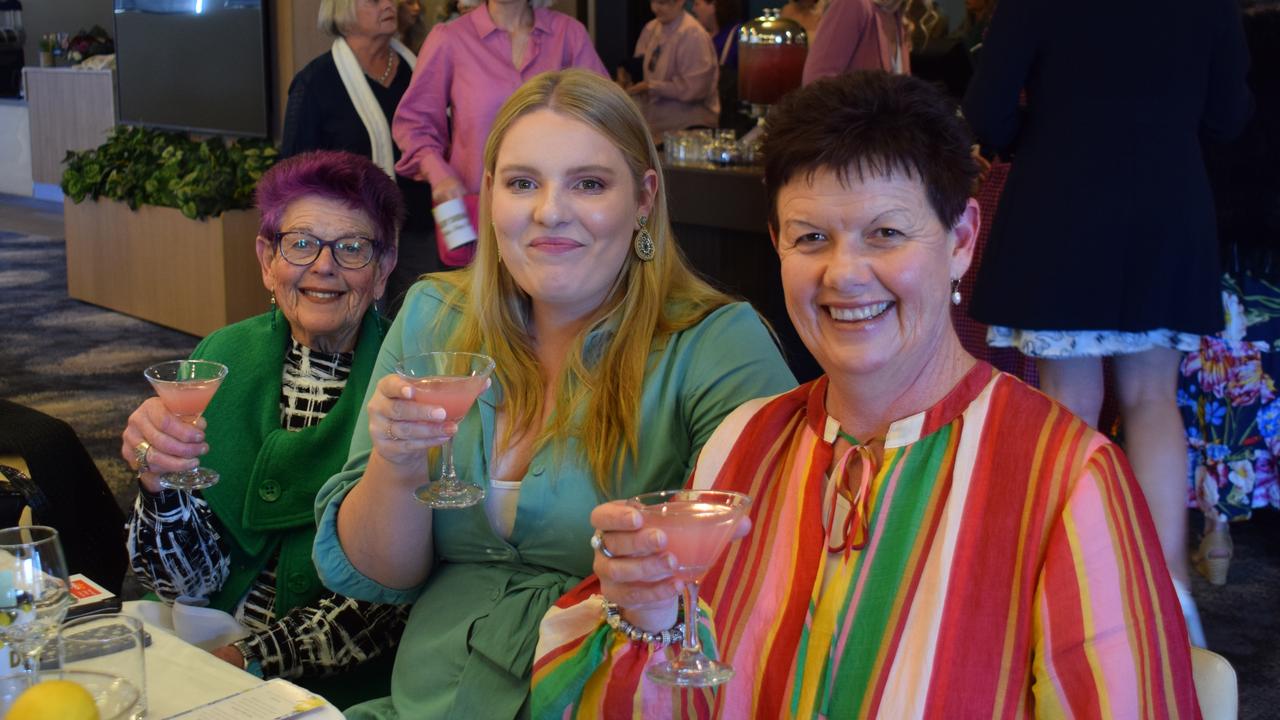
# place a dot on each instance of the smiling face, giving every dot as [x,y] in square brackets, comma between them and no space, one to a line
[324,302]
[373,17]
[564,206]
[666,10]
[867,270]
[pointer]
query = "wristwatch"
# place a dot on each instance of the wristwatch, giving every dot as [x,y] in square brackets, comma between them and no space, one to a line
[252,663]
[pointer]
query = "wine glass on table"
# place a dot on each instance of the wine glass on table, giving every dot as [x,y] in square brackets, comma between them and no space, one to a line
[186,387]
[34,591]
[699,525]
[453,381]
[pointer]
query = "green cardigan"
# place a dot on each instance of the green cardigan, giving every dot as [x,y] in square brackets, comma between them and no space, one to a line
[269,476]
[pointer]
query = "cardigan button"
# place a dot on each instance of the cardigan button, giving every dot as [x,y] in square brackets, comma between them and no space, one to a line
[298,583]
[269,491]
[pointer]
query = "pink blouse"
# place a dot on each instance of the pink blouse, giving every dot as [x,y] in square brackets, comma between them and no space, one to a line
[857,35]
[683,70]
[466,65]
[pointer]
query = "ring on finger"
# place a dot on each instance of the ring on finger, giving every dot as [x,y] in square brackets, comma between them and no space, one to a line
[390,433]
[597,543]
[140,452]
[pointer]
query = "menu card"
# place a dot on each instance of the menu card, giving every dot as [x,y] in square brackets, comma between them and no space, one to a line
[272,700]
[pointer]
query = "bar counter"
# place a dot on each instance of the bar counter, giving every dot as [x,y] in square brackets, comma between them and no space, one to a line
[720,216]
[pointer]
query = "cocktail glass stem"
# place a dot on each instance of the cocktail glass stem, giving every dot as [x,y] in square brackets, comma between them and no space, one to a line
[448,491]
[691,648]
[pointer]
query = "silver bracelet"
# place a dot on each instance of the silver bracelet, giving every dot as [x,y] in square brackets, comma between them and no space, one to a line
[613,618]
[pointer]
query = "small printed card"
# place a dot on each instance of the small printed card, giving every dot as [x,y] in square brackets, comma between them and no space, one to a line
[86,591]
[272,700]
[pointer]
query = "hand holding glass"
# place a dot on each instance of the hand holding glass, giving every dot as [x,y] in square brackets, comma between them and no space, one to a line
[699,525]
[34,591]
[453,381]
[186,387]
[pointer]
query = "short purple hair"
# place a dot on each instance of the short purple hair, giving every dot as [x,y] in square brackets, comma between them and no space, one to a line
[350,179]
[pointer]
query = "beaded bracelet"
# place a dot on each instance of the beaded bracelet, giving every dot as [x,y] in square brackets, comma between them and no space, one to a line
[613,617]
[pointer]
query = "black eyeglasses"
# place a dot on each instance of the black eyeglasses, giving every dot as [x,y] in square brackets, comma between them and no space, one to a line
[302,249]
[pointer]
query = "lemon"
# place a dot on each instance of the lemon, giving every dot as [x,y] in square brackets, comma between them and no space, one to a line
[54,700]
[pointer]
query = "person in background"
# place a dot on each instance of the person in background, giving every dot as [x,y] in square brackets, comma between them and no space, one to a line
[859,35]
[806,12]
[722,19]
[277,428]
[1142,232]
[680,71]
[410,25]
[614,363]
[345,99]
[928,537]
[469,68]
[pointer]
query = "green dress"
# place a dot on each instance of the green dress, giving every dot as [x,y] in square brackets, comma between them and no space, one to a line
[467,651]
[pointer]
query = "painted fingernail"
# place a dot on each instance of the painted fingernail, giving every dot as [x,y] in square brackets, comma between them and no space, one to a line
[437,414]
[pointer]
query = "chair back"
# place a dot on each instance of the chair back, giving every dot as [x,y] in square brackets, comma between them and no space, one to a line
[1215,685]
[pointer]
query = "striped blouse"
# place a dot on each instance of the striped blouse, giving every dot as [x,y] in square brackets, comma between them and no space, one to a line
[1007,568]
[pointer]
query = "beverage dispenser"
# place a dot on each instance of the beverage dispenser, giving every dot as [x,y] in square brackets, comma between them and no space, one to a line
[771,54]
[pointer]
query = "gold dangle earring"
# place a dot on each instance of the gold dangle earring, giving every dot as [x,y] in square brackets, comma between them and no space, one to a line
[644,241]
[273,309]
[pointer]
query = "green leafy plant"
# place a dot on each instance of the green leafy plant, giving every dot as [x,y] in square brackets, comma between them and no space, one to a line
[139,166]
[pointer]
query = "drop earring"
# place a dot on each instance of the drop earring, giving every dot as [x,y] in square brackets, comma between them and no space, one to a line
[273,310]
[955,291]
[644,241]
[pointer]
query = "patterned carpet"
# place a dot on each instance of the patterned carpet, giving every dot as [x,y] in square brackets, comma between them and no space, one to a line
[74,361]
[84,364]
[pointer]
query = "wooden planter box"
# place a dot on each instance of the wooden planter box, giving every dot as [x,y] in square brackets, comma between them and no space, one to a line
[156,264]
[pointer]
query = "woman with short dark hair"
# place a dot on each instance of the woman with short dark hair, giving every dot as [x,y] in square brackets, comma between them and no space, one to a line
[928,537]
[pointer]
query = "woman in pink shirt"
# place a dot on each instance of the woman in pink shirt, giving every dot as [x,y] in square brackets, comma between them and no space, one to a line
[681,71]
[470,66]
[859,35]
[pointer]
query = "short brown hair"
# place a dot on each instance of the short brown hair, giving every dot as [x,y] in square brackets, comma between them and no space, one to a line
[870,122]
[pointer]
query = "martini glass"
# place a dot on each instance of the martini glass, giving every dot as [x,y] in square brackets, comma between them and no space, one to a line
[453,381]
[699,525]
[186,387]
[34,591]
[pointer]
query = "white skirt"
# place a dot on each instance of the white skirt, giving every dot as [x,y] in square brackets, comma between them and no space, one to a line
[1059,344]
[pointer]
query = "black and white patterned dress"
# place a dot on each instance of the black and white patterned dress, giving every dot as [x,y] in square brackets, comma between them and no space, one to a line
[176,551]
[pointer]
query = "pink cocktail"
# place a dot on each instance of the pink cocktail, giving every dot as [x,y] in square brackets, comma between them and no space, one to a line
[187,400]
[697,532]
[455,394]
[453,381]
[186,387]
[699,525]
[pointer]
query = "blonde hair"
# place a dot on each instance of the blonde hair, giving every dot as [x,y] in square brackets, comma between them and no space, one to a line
[647,302]
[336,16]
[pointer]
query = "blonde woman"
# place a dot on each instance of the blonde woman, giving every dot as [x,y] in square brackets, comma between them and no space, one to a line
[614,364]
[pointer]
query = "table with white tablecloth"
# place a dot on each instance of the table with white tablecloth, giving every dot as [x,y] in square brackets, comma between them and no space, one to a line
[181,676]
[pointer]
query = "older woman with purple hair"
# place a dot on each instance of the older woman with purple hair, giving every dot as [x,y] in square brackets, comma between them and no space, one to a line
[277,429]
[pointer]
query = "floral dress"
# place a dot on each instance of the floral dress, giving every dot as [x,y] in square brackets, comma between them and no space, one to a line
[1229,404]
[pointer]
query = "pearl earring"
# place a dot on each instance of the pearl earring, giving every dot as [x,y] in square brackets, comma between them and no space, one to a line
[955,291]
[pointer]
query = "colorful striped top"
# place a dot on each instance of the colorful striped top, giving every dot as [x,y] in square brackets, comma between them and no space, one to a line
[1008,568]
